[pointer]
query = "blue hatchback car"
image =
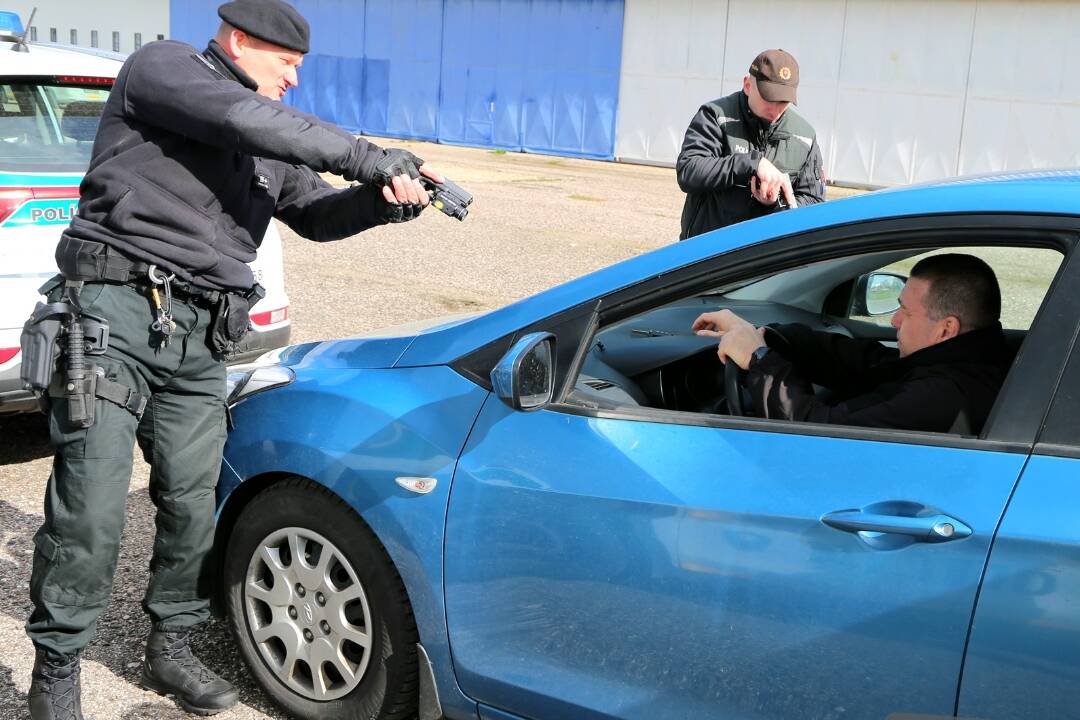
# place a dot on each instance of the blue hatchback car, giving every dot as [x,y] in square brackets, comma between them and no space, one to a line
[547,511]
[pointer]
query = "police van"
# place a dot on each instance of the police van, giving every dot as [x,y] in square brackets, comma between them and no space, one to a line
[51,98]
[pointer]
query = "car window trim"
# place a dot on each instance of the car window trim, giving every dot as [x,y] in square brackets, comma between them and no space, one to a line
[1057,450]
[568,326]
[788,427]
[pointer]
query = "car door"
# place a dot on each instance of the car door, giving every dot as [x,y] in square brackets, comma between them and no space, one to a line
[609,564]
[1023,659]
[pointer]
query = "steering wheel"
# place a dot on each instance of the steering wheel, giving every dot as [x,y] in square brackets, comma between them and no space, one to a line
[735,376]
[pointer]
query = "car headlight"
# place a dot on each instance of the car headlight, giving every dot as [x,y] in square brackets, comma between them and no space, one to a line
[262,374]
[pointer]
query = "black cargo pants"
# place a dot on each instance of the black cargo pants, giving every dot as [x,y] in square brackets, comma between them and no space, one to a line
[181,435]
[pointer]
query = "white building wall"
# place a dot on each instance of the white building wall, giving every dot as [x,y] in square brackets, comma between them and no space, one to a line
[672,55]
[148,18]
[899,91]
[1023,105]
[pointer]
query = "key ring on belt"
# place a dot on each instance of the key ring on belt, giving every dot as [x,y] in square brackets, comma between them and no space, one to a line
[164,323]
[152,273]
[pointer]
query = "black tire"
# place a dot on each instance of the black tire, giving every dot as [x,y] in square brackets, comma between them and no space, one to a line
[386,684]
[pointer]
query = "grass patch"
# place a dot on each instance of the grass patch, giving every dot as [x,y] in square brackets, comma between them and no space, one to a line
[498,152]
[586,198]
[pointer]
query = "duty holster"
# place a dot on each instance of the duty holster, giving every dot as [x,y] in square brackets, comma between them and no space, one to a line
[40,347]
[62,330]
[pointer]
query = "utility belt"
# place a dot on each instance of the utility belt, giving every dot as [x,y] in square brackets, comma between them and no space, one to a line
[60,339]
[89,261]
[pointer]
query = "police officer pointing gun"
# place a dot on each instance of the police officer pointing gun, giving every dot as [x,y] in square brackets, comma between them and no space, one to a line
[194,155]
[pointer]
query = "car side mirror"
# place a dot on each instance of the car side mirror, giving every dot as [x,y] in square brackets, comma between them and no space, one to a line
[877,293]
[525,377]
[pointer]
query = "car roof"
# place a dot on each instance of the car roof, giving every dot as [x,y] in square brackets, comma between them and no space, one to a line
[1036,192]
[54,59]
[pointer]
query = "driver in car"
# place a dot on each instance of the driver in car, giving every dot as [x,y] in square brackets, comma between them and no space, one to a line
[943,375]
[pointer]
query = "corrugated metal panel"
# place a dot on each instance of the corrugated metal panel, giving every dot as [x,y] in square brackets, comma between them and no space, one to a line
[541,75]
[403,47]
[901,91]
[537,75]
[673,57]
[373,67]
[1023,103]
[332,76]
[898,92]
[678,55]
[192,21]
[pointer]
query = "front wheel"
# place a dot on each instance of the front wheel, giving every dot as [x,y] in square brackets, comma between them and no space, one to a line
[318,610]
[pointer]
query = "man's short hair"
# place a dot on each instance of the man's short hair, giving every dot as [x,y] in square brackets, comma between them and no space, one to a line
[962,286]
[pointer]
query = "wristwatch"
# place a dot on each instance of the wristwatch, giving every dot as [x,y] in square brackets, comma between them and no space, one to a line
[761,352]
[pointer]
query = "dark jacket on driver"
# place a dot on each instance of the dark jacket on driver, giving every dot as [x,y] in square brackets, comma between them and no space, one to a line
[947,387]
[190,164]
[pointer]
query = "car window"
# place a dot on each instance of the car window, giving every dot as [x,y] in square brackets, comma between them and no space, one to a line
[1024,274]
[48,128]
[652,360]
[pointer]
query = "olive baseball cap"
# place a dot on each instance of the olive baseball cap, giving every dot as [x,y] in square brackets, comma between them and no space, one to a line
[274,21]
[777,75]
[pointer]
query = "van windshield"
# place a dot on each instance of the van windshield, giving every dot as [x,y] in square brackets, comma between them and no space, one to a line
[48,128]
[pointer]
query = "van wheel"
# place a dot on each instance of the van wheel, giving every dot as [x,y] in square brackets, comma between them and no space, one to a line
[318,610]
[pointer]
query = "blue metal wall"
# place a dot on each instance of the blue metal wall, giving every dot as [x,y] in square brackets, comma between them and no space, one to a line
[535,75]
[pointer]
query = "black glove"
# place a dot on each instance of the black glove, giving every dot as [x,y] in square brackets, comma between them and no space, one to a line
[396,162]
[399,212]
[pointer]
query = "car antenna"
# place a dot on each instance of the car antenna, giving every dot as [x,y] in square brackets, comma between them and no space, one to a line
[20,44]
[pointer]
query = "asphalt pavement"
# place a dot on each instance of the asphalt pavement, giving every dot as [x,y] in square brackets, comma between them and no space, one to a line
[537,221]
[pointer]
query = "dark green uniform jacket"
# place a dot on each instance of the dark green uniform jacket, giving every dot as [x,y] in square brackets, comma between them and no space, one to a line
[720,154]
[190,164]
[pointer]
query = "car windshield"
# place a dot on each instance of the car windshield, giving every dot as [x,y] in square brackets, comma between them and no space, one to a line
[48,128]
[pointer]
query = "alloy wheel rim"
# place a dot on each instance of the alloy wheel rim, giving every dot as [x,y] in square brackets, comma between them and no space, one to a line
[308,614]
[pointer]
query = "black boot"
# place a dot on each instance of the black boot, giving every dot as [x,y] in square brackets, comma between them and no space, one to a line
[171,669]
[54,687]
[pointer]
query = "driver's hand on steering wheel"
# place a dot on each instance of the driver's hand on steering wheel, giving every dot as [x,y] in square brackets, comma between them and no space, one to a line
[739,343]
[716,323]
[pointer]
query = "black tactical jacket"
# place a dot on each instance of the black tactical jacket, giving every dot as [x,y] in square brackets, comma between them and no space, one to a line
[190,164]
[948,387]
[720,153]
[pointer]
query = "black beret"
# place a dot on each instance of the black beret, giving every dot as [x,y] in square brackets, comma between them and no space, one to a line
[274,21]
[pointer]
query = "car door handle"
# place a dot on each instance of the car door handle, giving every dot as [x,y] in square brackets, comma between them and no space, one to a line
[930,528]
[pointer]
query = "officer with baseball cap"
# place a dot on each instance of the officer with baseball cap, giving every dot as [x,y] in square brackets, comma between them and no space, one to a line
[194,155]
[749,154]
[777,76]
